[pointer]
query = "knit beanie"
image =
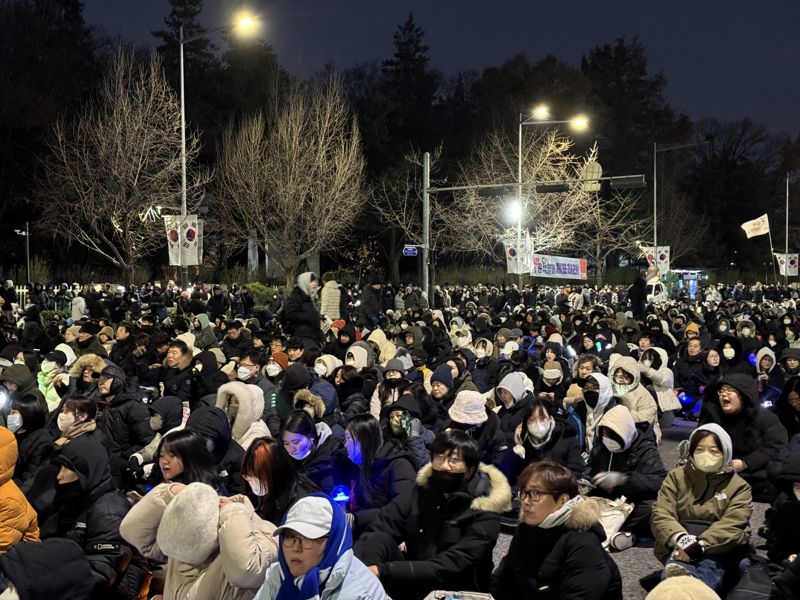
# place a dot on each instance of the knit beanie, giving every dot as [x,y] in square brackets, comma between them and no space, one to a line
[443,375]
[282,359]
[188,528]
[693,327]
[469,408]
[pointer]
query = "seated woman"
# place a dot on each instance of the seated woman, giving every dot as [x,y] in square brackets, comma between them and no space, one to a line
[701,516]
[788,406]
[627,387]
[274,479]
[401,423]
[545,433]
[183,457]
[558,545]
[375,472]
[757,436]
[214,547]
[625,462]
[311,446]
[34,442]
[315,559]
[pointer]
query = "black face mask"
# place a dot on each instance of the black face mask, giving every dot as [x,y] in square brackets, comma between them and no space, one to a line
[446,482]
[68,493]
[392,383]
[591,398]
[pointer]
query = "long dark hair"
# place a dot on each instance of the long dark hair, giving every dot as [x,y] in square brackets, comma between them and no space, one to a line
[366,430]
[198,463]
[300,423]
[33,411]
[268,461]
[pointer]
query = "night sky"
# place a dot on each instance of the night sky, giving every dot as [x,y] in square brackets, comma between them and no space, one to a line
[726,59]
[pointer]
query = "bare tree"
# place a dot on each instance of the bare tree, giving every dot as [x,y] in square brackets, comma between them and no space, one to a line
[296,183]
[118,160]
[613,224]
[679,226]
[476,224]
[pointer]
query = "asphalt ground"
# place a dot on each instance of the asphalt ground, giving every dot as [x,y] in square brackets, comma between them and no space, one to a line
[639,561]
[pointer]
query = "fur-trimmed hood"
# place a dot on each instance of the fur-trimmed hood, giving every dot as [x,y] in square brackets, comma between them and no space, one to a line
[302,397]
[583,516]
[183,363]
[251,405]
[87,360]
[497,497]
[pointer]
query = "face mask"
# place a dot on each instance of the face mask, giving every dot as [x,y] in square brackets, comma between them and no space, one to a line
[156,422]
[746,331]
[350,361]
[14,422]
[541,429]
[65,421]
[462,341]
[612,445]
[445,481]
[647,363]
[787,321]
[591,398]
[772,343]
[480,353]
[728,353]
[404,326]
[302,454]
[707,463]
[620,389]
[320,369]
[243,373]
[273,369]
[255,485]
[19,361]
[48,366]
[392,383]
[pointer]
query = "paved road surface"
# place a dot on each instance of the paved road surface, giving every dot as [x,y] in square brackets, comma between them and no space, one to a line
[639,561]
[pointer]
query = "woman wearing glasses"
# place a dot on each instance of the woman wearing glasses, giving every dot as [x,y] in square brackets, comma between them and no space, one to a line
[448,523]
[700,519]
[315,559]
[757,436]
[557,549]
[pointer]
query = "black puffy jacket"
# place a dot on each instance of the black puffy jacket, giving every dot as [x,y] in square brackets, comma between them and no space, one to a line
[54,568]
[35,449]
[566,562]
[125,422]
[301,318]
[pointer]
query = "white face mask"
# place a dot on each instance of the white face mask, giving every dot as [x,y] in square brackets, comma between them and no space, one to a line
[480,353]
[13,422]
[462,341]
[273,369]
[255,485]
[65,421]
[404,326]
[728,353]
[243,373]
[540,429]
[320,369]
[647,363]
[772,343]
[612,446]
[48,366]
[302,454]
[707,463]
[745,331]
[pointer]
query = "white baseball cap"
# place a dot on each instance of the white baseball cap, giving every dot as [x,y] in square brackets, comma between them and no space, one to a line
[311,517]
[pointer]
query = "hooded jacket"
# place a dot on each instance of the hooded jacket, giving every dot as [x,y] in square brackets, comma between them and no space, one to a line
[209,379]
[637,399]
[512,415]
[590,417]
[662,379]
[170,408]
[722,499]
[24,380]
[17,518]
[205,338]
[566,562]
[246,548]
[54,568]
[387,348]
[739,362]
[757,435]
[486,374]
[639,459]
[213,425]
[300,315]
[244,405]
[449,539]
[774,375]
[125,422]
[788,415]
[92,517]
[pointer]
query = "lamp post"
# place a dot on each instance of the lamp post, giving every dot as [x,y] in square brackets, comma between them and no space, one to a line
[664,148]
[246,24]
[791,177]
[540,115]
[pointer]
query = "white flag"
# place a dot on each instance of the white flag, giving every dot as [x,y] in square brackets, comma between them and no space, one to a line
[515,262]
[658,257]
[758,226]
[787,264]
[184,240]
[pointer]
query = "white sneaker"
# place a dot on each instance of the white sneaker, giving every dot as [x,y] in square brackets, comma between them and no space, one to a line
[622,541]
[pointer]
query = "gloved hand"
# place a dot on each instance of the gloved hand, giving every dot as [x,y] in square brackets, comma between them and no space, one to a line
[690,545]
[609,479]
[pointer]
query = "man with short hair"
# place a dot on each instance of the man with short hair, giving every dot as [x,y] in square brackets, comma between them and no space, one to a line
[448,522]
[235,344]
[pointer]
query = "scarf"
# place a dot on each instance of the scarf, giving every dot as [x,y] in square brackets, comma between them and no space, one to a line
[309,586]
[75,431]
[560,516]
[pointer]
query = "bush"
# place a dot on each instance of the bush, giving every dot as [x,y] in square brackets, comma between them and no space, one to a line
[49,315]
[262,294]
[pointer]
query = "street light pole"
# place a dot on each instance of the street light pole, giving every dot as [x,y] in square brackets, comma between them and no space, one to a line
[184,270]
[426,227]
[519,198]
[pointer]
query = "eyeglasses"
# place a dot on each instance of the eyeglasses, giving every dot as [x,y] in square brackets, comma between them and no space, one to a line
[727,390]
[532,495]
[441,458]
[291,539]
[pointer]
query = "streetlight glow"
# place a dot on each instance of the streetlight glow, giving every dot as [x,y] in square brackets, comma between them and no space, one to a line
[245,23]
[541,112]
[579,123]
[514,211]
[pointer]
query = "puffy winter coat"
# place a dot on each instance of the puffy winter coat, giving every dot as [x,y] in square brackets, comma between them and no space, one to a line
[638,400]
[449,540]
[54,568]
[21,376]
[566,562]
[722,499]
[330,297]
[235,572]
[205,338]
[756,433]
[125,422]
[663,381]
[301,317]
[17,517]
[387,349]
[244,405]
[34,450]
